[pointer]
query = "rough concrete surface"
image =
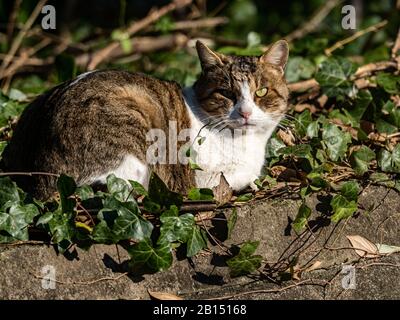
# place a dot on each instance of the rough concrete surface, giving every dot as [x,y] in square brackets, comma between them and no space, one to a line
[99,273]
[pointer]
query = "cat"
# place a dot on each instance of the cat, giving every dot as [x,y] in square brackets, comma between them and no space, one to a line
[99,123]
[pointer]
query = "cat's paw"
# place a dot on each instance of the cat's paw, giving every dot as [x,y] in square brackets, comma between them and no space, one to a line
[253,186]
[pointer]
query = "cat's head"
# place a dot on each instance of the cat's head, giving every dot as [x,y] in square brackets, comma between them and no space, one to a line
[240,91]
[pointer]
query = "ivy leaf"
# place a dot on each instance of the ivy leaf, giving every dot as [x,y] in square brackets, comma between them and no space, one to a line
[150,206]
[197,241]
[15,222]
[301,219]
[336,141]
[300,150]
[160,194]
[144,254]
[138,189]
[382,179]
[45,218]
[232,222]
[350,190]
[123,221]
[62,228]
[313,129]
[334,76]
[174,227]
[393,113]
[119,188]
[389,82]
[317,181]
[102,233]
[66,187]
[200,194]
[273,146]
[84,192]
[8,191]
[360,159]
[361,103]
[390,162]
[303,120]
[385,127]
[245,261]
[244,197]
[194,166]
[299,68]
[130,225]
[342,208]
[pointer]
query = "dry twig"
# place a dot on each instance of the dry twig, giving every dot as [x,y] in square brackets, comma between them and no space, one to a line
[314,21]
[358,34]
[154,15]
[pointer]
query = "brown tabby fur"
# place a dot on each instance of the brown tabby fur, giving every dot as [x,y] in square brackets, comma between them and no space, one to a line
[88,127]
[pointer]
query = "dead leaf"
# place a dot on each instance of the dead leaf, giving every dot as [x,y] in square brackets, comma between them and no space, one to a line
[206,215]
[163,295]
[363,247]
[223,192]
[316,265]
[275,171]
[300,107]
[286,136]
[386,249]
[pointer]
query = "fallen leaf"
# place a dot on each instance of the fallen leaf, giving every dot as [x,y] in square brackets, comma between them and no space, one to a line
[206,215]
[223,192]
[286,136]
[277,170]
[363,247]
[314,266]
[163,295]
[386,249]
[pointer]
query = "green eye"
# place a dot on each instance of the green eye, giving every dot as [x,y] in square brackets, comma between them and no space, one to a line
[261,92]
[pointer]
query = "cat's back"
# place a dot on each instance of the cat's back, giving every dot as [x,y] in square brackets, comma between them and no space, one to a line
[90,123]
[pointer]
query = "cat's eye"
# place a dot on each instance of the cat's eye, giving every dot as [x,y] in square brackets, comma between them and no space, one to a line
[261,92]
[226,93]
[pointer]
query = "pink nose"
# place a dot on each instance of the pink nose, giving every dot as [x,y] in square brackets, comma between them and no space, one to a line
[245,115]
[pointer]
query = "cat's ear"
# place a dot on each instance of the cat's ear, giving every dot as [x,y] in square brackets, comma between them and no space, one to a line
[277,54]
[208,58]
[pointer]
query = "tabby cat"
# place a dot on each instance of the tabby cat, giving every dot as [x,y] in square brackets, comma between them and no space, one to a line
[99,123]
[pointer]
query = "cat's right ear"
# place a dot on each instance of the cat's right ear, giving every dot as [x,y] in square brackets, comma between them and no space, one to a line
[208,58]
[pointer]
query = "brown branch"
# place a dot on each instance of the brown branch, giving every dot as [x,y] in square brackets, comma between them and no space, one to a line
[17,63]
[11,21]
[370,68]
[200,23]
[25,242]
[201,207]
[303,85]
[388,264]
[358,34]
[154,15]
[140,45]
[314,21]
[233,296]
[28,174]
[396,46]
[82,282]
[18,40]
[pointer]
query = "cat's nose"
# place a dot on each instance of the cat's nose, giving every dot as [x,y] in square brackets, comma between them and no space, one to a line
[245,114]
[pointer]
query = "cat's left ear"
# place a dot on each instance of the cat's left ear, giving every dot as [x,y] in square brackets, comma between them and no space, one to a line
[277,54]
